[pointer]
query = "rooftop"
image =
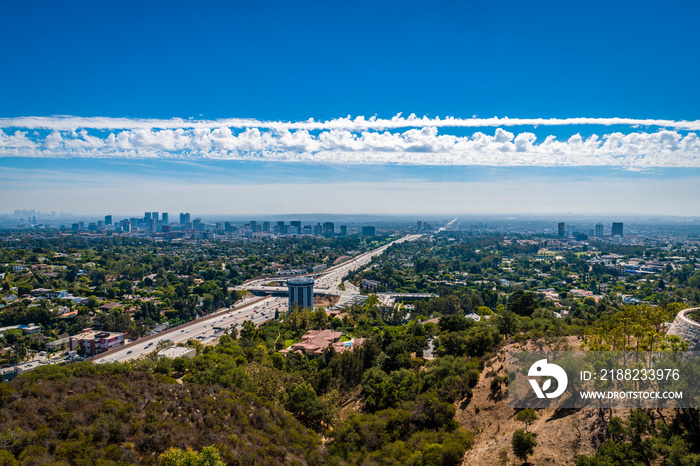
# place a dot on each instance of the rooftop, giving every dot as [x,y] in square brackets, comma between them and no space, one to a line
[300,281]
[177,352]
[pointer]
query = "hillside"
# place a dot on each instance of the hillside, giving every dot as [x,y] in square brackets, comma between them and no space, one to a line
[86,414]
[561,434]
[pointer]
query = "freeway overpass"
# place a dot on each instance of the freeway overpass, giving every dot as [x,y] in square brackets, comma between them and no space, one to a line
[328,280]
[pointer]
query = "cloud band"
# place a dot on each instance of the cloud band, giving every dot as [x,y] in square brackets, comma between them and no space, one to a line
[411,140]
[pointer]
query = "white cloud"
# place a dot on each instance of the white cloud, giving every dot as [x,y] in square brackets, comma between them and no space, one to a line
[399,140]
[17,140]
[359,123]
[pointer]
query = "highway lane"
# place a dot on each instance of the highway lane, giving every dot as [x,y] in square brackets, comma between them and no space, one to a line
[258,311]
[331,278]
[446,227]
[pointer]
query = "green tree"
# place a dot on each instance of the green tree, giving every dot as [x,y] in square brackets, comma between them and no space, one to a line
[180,365]
[522,302]
[305,405]
[7,459]
[13,335]
[93,302]
[454,323]
[523,444]
[249,331]
[527,416]
[209,456]
[507,323]
[277,361]
[319,319]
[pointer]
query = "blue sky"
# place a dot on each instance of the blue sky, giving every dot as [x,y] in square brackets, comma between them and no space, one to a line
[157,85]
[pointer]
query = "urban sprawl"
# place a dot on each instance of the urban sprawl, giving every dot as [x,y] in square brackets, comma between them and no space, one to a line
[318,314]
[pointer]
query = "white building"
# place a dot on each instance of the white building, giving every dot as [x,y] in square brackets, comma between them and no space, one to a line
[175,352]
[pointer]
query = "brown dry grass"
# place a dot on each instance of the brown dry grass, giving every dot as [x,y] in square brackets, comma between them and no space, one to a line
[326,301]
[561,434]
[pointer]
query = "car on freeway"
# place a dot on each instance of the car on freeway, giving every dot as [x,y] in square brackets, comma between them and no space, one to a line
[129,352]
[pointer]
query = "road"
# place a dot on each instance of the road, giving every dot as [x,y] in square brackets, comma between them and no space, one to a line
[446,227]
[328,281]
[258,310]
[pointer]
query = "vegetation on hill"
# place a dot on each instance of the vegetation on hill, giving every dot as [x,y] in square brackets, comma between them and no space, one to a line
[118,414]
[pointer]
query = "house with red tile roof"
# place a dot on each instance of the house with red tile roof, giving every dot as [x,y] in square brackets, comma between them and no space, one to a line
[314,342]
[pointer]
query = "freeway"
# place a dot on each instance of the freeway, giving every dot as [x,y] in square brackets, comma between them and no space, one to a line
[328,281]
[258,310]
[447,227]
[332,277]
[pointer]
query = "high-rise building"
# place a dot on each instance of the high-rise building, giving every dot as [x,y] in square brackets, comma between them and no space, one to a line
[369,231]
[419,225]
[301,292]
[253,226]
[343,230]
[266,226]
[616,229]
[281,228]
[185,221]
[146,217]
[328,228]
[154,216]
[599,230]
[126,225]
[295,226]
[108,219]
[197,224]
[561,230]
[166,218]
[151,224]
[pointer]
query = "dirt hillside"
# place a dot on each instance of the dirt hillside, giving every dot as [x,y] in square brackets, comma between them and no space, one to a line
[561,434]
